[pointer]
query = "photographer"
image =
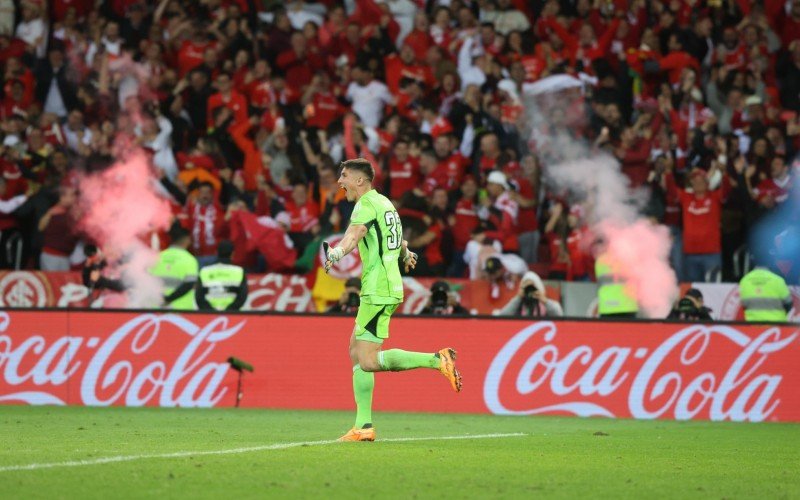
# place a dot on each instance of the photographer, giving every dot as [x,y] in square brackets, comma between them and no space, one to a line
[93,278]
[442,302]
[691,307]
[531,300]
[350,299]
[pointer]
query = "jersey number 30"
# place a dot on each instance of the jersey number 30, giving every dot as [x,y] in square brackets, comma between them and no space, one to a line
[395,235]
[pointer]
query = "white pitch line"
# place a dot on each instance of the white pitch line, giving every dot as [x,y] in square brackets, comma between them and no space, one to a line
[233,451]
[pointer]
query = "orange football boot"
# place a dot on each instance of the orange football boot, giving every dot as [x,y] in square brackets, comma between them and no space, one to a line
[359,435]
[447,367]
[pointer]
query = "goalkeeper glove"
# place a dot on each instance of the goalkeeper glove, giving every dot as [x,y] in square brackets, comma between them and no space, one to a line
[335,254]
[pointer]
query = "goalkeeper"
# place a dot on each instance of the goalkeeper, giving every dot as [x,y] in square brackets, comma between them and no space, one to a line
[375,227]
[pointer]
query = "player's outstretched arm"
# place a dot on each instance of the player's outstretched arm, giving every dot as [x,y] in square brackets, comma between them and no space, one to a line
[347,244]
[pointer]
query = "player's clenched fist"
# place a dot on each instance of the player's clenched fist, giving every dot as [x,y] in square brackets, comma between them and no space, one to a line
[410,260]
[409,257]
[335,254]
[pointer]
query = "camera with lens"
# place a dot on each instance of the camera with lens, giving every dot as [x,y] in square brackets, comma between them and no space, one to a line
[442,303]
[350,299]
[687,309]
[530,301]
[440,297]
[529,295]
[93,268]
[353,300]
[691,308]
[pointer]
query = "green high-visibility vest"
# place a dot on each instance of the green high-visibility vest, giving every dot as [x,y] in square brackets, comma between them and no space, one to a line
[612,297]
[222,281]
[763,294]
[177,266]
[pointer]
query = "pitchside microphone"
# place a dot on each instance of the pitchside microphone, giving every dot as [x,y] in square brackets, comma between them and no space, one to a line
[240,367]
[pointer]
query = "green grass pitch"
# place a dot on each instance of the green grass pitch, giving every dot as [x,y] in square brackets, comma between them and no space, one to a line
[199,455]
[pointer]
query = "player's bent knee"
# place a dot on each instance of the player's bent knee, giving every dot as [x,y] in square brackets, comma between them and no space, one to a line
[370,366]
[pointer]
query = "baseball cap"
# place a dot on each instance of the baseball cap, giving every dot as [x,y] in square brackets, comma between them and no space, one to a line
[695,293]
[342,60]
[492,264]
[440,286]
[497,177]
[753,100]
[440,127]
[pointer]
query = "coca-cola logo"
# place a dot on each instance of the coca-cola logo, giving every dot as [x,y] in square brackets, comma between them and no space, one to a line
[22,289]
[112,369]
[349,266]
[669,381]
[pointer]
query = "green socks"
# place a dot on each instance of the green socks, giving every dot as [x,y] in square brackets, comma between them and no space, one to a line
[396,360]
[363,384]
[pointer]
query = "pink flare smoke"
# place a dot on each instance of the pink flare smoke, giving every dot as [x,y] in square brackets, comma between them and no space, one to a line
[643,249]
[120,206]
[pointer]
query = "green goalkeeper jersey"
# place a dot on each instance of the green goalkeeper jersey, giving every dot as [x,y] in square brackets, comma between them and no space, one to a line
[381,282]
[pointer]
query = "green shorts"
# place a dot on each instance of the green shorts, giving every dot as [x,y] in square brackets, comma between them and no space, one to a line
[372,321]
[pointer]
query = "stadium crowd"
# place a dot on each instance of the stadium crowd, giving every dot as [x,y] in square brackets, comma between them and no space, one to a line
[246,107]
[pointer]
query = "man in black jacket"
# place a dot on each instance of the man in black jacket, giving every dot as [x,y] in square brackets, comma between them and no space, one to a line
[53,88]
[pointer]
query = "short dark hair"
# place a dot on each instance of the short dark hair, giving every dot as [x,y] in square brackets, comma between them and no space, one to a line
[177,233]
[361,165]
[225,249]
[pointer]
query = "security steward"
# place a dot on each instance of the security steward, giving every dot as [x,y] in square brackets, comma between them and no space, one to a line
[222,286]
[177,269]
[764,296]
[613,298]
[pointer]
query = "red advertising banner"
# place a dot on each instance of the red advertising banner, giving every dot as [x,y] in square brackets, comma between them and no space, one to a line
[511,367]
